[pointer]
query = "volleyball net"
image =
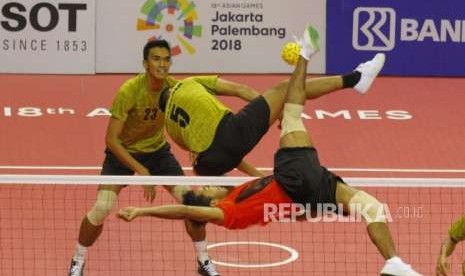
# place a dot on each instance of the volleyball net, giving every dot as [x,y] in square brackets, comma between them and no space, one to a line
[40,217]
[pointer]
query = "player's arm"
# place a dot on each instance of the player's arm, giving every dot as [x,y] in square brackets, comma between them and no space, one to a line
[229,88]
[113,143]
[456,234]
[443,267]
[175,212]
[457,230]
[249,169]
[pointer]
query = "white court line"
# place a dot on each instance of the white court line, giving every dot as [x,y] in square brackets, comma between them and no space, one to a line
[6,167]
[71,168]
[293,254]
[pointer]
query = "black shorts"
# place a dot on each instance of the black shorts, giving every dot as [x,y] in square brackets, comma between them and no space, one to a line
[160,162]
[236,135]
[300,174]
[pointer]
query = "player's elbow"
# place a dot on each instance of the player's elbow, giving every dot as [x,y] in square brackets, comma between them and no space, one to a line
[111,142]
[185,211]
[192,213]
[202,214]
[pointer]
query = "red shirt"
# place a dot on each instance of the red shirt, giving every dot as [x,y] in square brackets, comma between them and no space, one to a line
[250,211]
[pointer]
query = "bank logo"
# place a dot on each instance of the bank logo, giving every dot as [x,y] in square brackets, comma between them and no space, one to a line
[374,29]
[172,20]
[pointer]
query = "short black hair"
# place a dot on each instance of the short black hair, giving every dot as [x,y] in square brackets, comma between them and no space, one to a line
[193,199]
[156,44]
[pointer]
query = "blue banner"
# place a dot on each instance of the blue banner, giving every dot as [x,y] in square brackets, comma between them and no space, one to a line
[421,38]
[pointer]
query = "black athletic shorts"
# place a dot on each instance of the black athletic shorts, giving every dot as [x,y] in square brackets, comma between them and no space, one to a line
[300,174]
[160,162]
[236,135]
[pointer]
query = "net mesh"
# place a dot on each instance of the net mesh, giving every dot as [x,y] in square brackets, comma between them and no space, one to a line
[39,225]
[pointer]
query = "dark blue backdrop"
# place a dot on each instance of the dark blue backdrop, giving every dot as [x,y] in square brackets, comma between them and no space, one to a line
[357,29]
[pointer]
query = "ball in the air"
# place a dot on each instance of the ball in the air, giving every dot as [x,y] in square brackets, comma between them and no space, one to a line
[290,53]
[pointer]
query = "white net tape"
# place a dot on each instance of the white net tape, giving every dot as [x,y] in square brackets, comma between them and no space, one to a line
[210,180]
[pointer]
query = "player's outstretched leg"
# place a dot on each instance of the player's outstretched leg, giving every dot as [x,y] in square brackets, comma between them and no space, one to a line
[373,212]
[360,79]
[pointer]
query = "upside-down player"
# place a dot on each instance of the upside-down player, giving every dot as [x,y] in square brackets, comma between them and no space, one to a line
[298,178]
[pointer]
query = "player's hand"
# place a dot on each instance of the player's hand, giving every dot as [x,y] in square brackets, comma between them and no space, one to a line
[443,266]
[142,172]
[128,213]
[149,192]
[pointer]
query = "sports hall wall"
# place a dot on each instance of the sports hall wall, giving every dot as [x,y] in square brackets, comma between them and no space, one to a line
[424,38]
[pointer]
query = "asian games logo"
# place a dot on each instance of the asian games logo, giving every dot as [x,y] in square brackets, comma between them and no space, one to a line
[172,20]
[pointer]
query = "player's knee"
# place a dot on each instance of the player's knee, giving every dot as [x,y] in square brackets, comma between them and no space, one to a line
[282,86]
[102,207]
[297,87]
[291,119]
[368,207]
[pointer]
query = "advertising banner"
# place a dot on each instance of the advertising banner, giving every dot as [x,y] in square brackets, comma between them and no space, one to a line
[47,36]
[418,37]
[207,36]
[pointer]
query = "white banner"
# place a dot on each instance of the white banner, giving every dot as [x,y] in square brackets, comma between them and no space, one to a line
[47,36]
[207,36]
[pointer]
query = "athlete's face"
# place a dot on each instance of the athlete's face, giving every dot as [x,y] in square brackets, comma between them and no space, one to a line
[213,192]
[158,63]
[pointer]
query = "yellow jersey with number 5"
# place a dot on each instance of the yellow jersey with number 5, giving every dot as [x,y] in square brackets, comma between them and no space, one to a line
[193,113]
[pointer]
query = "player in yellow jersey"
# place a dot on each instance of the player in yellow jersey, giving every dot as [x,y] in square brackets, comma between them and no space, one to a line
[136,145]
[456,235]
[218,139]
